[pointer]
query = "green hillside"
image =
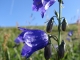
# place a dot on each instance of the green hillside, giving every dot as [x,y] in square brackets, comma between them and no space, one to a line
[8,52]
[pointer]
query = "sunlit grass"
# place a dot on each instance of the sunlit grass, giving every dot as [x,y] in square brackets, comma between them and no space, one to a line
[14,53]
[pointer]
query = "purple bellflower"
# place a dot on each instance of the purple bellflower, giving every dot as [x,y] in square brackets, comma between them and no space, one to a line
[33,40]
[70,33]
[42,5]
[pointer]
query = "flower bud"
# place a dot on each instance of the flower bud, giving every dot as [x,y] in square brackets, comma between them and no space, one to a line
[60,1]
[57,14]
[61,50]
[47,51]
[50,25]
[64,25]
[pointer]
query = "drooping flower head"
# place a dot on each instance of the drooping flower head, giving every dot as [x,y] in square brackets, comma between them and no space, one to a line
[33,40]
[42,5]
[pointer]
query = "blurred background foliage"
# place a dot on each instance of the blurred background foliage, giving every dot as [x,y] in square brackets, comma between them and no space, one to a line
[9,52]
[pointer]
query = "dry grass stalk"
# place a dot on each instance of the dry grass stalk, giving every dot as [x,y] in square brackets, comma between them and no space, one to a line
[17,24]
[6,37]
[78,27]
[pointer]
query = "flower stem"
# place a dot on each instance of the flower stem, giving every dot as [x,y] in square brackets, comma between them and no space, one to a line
[59,25]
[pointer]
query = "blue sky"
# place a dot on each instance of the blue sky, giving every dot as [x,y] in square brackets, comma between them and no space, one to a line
[20,11]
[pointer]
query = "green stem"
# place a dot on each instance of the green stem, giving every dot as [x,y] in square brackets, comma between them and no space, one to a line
[17,54]
[59,25]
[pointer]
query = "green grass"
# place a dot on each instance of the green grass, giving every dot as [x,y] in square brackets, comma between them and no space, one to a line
[72,48]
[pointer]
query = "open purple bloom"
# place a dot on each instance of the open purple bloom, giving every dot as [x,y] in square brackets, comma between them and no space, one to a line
[37,4]
[33,39]
[70,33]
[42,5]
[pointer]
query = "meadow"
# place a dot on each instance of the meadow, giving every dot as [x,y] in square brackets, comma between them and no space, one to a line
[8,51]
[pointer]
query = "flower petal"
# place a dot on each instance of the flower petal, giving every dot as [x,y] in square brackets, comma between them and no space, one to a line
[48,4]
[26,51]
[35,36]
[42,11]
[19,38]
[34,8]
[33,39]
[36,5]
[42,4]
[22,29]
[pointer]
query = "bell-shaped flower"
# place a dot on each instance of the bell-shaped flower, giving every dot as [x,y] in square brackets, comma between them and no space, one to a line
[42,5]
[33,40]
